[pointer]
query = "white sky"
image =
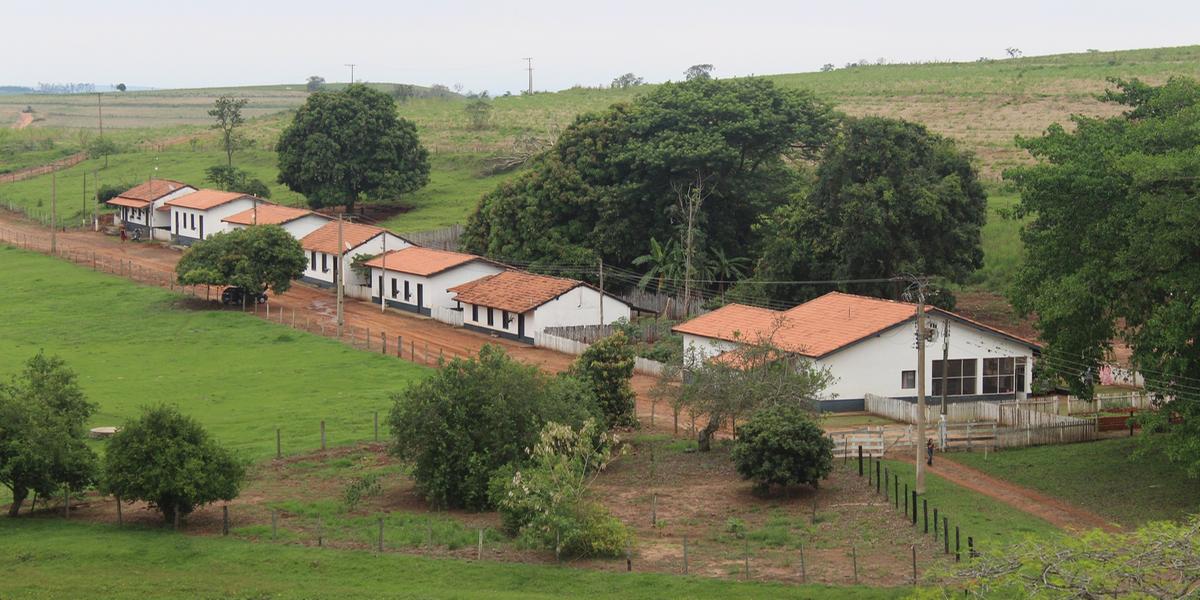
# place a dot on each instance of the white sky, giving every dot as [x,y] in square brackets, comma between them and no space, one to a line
[185,43]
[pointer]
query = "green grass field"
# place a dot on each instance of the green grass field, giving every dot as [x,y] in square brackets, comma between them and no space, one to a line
[990,522]
[46,558]
[1104,477]
[238,375]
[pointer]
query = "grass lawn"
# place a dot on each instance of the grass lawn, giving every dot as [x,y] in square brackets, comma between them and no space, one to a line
[46,558]
[1102,476]
[989,521]
[1003,249]
[455,187]
[864,420]
[240,376]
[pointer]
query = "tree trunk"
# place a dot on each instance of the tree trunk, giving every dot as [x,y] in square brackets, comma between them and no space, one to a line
[19,496]
[704,438]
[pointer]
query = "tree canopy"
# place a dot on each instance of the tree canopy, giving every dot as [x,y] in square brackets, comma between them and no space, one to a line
[254,258]
[612,181]
[1111,248]
[607,368]
[890,198]
[227,111]
[43,416]
[349,143]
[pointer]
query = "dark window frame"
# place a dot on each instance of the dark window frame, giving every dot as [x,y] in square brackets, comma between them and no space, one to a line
[961,377]
[908,379]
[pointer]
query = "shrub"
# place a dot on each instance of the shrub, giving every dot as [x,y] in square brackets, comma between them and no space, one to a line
[168,460]
[607,367]
[474,416]
[781,445]
[363,487]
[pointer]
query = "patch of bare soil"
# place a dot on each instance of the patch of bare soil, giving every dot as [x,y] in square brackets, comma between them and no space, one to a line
[24,119]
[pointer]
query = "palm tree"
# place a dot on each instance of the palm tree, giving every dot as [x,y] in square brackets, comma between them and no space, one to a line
[726,269]
[663,262]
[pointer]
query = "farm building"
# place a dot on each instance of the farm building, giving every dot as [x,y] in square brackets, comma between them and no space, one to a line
[200,214]
[516,304]
[138,208]
[419,279]
[358,241]
[297,221]
[869,347]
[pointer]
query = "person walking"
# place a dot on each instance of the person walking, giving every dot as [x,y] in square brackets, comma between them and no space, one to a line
[929,452]
[123,236]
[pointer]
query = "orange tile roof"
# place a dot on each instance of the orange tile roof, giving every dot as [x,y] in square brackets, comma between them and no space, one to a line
[206,199]
[268,214]
[325,238]
[816,328]
[130,202]
[514,291]
[152,190]
[416,260]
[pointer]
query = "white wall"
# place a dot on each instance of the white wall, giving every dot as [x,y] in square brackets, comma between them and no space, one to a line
[149,215]
[697,349]
[350,279]
[498,324]
[435,287]
[580,306]
[298,228]
[212,218]
[162,218]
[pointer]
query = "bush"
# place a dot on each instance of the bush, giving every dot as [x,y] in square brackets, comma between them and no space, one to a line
[607,367]
[168,460]
[364,487]
[781,445]
[474,416]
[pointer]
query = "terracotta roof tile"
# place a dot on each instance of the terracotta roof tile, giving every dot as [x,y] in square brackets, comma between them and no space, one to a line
[206,199]
[269,214]
[152,190]
[416,260]
[514,291]
[325,238]
[129,202]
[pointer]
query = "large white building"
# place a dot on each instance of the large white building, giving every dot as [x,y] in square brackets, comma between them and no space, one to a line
[140,208]
[298,222]
[419,279]
[321,250]
[516,304]
[869,347]
[200,214]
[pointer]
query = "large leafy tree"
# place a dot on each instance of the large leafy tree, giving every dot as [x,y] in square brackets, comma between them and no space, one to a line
[43,416]
[346,144]
[1112,251]
[168,460]
[253,258]
[890,198]
[607,368]
[612,181]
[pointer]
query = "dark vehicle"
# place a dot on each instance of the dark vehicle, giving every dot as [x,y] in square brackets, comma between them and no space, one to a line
[235,295]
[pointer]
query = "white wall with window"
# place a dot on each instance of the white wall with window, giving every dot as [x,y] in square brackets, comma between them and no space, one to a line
[422,294]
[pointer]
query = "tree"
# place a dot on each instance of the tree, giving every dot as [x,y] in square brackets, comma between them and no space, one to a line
[479,111]
[1013,52]
[233,179]
[890,198]
[608,185]
[102,146]
[626,81]
[43,416]
[755,374]
[1110,250]
[403,92]
[827,67]
[475,415]
[121,87]
[607,368]
[168,460]
[314,83]
[782,445]
[227,111]
[662,263]
[253,258]
[1159,560]
[701,71]
[342,145]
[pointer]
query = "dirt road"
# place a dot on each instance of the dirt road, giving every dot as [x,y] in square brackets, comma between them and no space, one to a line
[308,307]
[1062,514]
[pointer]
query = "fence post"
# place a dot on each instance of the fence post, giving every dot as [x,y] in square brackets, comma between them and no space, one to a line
[803,575]
[887,476]
[654,510]
[914,508]
[120,518]
[747,554]
[854,559]
[322,434]
[685,556]
[946,534]
[896,489]
[935,522]
[225,519]
[67,502]
[274,524]
[906,499]
[278,444]
[925,513]
[860,462]
[367,339]
[914,563]
[628,554]
[412,349]
[381,535]
[383,342]
[970,547]
[957,547]
[400,346]
[479,552]
[425,357]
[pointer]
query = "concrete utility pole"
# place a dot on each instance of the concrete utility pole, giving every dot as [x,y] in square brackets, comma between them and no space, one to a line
[920,283]
[339,276]
[945,360]
[529,61]
[351,65]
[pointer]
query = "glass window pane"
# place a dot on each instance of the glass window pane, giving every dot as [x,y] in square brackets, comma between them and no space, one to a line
[989,385]
[989,366]
[937,387]
[968,367]
[937,369]
[955,368]
[968,386]
[1006,366]
[954,387]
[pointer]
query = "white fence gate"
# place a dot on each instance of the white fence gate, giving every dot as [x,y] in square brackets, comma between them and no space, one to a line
[845,444]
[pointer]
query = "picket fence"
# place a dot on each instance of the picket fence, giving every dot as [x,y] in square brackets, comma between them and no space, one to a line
[550,341]
[990,424]
[447,315]
[446,238]
[645,330]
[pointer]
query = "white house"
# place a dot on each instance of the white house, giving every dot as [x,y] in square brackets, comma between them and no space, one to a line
[200,214]
[321,250]
[138,208]
[516,304]
[299,222]
[869,347]
[419,279]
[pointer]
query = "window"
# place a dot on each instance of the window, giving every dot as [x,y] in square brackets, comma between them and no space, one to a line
[193,225]
[959,378]
[176,222]
[504,319]
[201,226]
[908,380]
[314,260]
[407,292]
[395,290]
[491,322]
[1021,374]
[324,263]
[475,312]
[999,375]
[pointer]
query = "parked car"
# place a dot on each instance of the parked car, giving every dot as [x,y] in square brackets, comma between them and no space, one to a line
[234,295]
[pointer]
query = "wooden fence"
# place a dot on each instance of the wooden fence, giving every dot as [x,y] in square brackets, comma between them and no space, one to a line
[992,424]
[645,330]
[446,238]
[846,444]
[447,315]
[58,165]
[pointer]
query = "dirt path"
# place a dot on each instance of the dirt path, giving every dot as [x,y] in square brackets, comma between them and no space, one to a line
[25,119]
[310,308]
[1062,514]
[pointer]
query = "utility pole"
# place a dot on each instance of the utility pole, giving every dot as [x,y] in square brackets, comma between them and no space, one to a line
[53,208]
[529,62]
[383,276]
[339,276]
[919,443]
[83,207]
[601,292]
[100,113]
[96,200]
[351,65]
[945,360]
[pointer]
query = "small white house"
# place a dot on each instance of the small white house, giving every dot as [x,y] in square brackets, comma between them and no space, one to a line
[139,208]
[321,250]
[299,222]
[419,279]
[200,214]
[516,304]
[869,347]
